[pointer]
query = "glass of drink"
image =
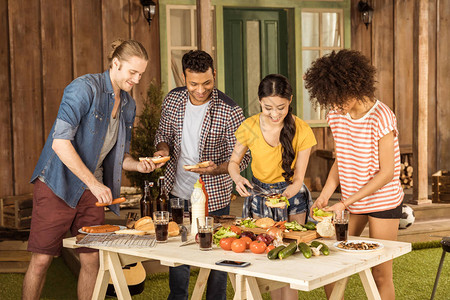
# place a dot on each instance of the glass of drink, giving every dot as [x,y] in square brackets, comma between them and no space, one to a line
[161,221]
[340,220]
[205,232]
[177,206]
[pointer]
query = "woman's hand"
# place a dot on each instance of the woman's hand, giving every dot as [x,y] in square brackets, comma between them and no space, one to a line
[290,191]
[320,202]
[241,182]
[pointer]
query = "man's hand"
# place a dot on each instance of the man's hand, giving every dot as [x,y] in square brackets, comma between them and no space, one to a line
[101,192]
[145,166]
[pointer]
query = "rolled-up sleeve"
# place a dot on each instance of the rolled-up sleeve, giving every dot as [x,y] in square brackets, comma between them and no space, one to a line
[74,105]
[64,130]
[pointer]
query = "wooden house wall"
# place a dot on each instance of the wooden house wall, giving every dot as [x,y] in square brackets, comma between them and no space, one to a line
[389,42]
[44,45]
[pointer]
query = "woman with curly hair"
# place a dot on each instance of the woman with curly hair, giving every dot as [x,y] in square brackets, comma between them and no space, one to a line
[367,164]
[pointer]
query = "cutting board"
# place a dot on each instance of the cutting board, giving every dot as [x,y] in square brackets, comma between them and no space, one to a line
[300,236]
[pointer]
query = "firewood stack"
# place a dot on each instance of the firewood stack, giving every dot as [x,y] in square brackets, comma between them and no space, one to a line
[406,171]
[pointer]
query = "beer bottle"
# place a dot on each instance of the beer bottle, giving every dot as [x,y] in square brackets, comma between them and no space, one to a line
[146,201]
[162,199]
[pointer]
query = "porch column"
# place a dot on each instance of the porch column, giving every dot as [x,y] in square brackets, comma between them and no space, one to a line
[204,26]
[420,104]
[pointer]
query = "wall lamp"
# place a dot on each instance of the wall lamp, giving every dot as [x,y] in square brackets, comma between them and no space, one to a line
[149,9]
[366,12]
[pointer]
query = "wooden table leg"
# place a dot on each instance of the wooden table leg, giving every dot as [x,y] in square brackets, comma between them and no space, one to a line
[239,290]
[339,289]
[117,276]
[253,292]
[232,280]
[200,285]
[101,284]
[369,285]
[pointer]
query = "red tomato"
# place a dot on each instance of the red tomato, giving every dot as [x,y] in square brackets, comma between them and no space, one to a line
[238,245]
[270,247]
[235,229]
[247,241]
[258,247]
[225,243]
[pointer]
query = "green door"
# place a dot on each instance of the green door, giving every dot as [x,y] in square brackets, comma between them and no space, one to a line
[255,46]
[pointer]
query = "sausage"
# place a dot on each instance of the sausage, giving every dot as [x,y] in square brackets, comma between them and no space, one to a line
[100,229]
[115,201]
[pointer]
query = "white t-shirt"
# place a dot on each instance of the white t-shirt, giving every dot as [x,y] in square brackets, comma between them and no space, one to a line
[189,155]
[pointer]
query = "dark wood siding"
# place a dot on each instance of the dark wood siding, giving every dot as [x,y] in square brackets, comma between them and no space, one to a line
[56,41]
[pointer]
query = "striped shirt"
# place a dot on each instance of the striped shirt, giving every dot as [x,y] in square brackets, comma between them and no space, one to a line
[357,157]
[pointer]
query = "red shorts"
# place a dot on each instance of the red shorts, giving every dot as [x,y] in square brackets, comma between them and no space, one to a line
[52,218]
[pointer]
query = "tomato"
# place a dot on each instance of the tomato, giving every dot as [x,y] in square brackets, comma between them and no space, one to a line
[235,229]
[270,247]
[258,247]
[238,245]
[225,243]
[247,241]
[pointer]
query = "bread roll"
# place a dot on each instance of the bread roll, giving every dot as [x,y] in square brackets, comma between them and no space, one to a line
[147,227]
[173,229]
[265,222]
[143,221]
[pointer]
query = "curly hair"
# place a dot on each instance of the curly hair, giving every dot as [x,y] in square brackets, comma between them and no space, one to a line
[197,61]
[278,85]
[335,78]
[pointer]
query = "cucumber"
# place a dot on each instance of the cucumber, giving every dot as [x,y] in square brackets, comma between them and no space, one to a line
[310,226]
[273,254]
[307,252]
[325,250]
[288,251]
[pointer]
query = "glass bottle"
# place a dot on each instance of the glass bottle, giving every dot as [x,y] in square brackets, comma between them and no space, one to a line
[146,201]
[162,199]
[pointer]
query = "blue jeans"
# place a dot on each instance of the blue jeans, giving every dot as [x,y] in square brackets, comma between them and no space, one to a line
[179,277]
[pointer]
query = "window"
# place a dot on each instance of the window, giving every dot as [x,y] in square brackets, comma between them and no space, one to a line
[181,38]
[322,32]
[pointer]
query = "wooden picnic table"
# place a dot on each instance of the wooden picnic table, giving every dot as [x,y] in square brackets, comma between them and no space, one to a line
[261,276]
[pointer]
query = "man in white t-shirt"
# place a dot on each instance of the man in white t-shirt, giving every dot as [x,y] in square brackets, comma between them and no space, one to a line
[197,124]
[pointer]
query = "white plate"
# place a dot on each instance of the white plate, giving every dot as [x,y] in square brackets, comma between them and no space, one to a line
[380,246]
[103,233]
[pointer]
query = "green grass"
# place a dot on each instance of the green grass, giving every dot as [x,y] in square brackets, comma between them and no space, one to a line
[414,275]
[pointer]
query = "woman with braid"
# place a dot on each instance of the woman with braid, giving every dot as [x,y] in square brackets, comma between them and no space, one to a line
[280,144]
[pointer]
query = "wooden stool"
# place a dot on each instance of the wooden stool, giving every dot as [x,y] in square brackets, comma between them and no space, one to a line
[445,248]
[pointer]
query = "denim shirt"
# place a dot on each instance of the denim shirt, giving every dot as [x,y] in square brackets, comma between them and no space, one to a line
[83,118]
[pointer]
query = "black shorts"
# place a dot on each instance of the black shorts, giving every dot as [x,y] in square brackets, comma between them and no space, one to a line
[395,213]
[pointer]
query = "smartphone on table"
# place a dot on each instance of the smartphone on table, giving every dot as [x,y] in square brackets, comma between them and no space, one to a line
[232,263]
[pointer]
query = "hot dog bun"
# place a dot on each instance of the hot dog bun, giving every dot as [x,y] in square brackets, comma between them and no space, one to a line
[203,164]
[156,159]
[173,229]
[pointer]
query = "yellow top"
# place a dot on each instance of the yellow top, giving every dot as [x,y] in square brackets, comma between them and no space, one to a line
[266,160]
[198,185]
